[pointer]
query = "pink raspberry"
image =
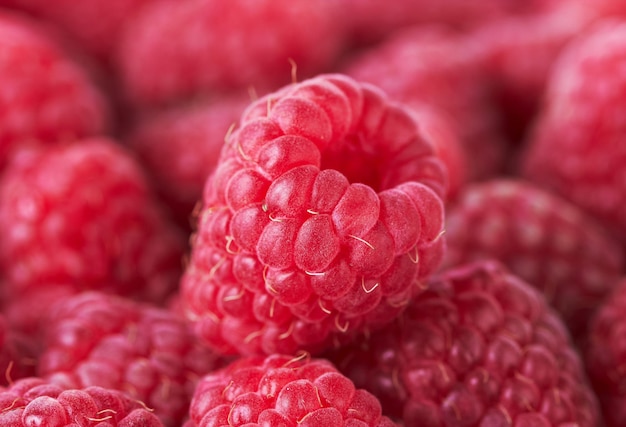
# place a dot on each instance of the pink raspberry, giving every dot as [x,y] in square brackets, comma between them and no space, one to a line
[283,391]
[323,214]
[441,69]
[34,402]
[479,348]
[81,215]
[180,148]
[44,97]
[606,356]
[179,50]
[94,339]
[577,148]
[540,237]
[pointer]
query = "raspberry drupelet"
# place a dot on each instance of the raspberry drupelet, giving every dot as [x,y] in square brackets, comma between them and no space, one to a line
[479,348]
[283,391]
[322,217]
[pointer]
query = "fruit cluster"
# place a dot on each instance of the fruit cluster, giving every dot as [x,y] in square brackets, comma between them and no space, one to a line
[295,213]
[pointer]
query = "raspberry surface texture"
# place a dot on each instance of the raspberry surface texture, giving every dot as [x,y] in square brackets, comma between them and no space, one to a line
[437,67]
[17,354]
[283,391]
[324,213]
[479,348]
[45,97]
[577,148]
[34,402]
[542,238]
[177,50]
[606,355]
[82,215]
[95,339]
[180,148]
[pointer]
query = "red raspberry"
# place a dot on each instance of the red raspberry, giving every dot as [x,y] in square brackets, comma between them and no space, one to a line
[95,24]
[177,50]
[283,391]
[34,402]
[81,215]
[577,148]
[437,67]
[542,238]
[481,348]
[323,213]
[94,339]
[606,356]
[180,148]
[44,96]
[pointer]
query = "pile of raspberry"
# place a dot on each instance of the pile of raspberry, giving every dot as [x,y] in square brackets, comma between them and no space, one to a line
[294,213]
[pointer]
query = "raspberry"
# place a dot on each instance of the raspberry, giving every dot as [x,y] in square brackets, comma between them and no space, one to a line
[283,391]
[180,148]
[94,339]
[606,355]
[35,402]
[322,215]
[44,96]
[577,148]
[178,50]
[81,215]
[480,347]
[96,24]
[540,237]
[441,69]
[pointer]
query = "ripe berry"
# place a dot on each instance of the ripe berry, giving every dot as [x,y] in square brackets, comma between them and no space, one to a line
[577,148]
[324,212]
[94,339]
[606,356]
[480,347]
[81,215]
[540,237]
[174,51]
[34,402]
[45,98]
[283,391]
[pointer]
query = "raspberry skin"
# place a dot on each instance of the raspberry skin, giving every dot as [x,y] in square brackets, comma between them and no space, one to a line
[577,148]
[82,215]
[283,391]
[324,213]
[207,46]
[181,146]
[545,240]
[151,354]
[606,355]
[45,97]
[434,66]
[480,347]
[35,402]
[17,353]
